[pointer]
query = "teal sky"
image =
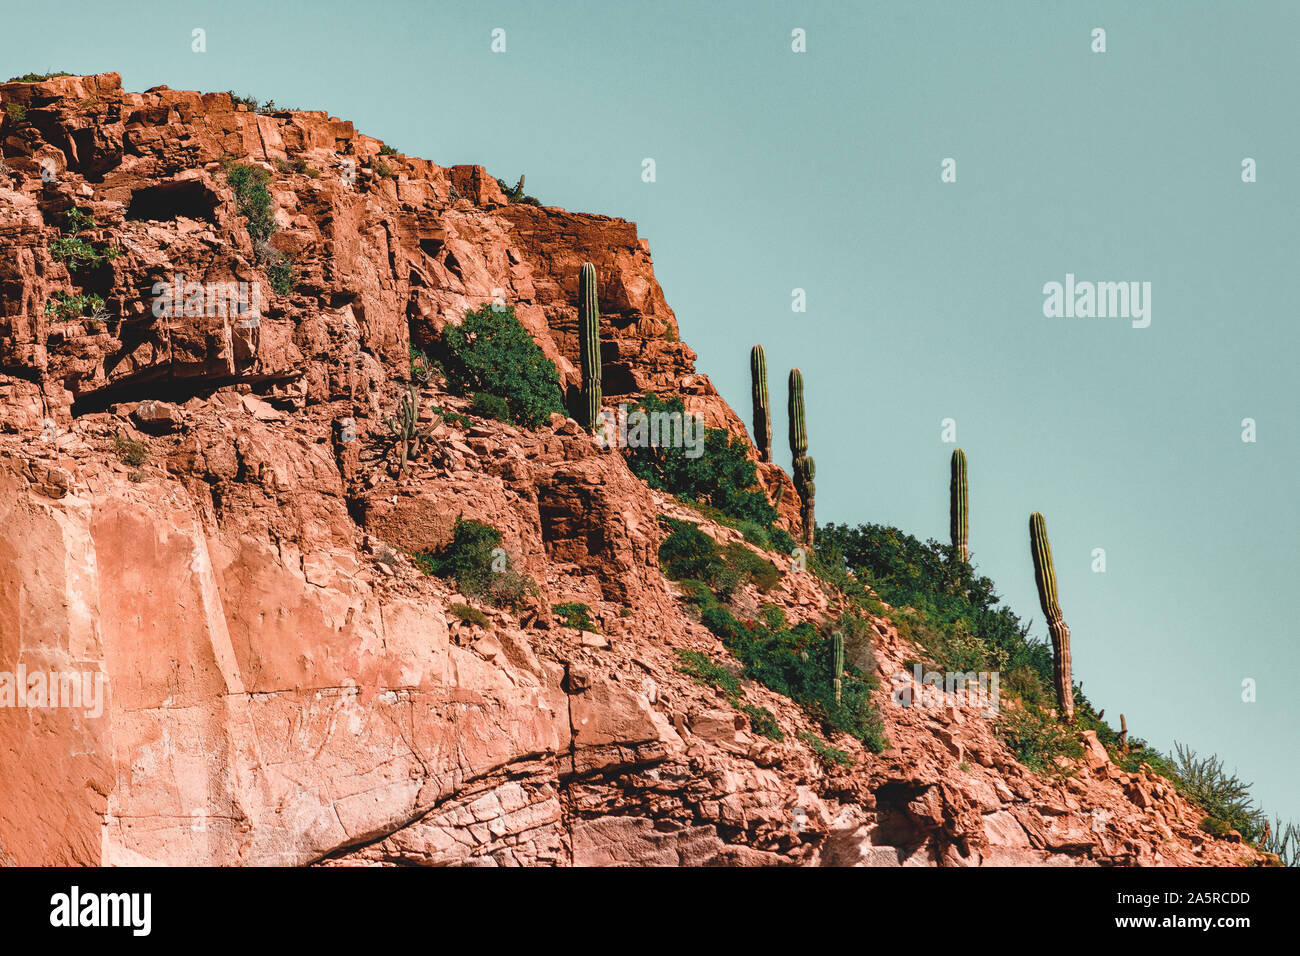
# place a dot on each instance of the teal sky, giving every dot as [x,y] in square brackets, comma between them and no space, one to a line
[820,171]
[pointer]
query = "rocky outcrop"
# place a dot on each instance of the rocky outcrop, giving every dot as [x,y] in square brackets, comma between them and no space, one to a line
[199,522]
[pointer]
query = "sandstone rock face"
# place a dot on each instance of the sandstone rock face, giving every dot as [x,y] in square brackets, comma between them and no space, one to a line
[201,535]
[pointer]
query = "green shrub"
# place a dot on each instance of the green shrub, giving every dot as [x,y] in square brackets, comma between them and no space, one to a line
[37,77]
[475,561]
[703,668]
[487,405]
[490,352]
[763,722]
[16,112]
[468,614]
[279,270]
[956,616]
[688,553]
[386,150]
[66,307]
[238,100]
[76,252]
[1223,796]
[773,616]
[383,170]
[1038,740]
[760,572]
[830,757]
[253,199]
[722,475]
[1216,828]
[296,164]
[946,608]
[130,451]
[575,615]
[794,661]
[453,417]
[516,195]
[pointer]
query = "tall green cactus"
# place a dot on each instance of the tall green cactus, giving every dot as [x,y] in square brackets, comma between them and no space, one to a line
[959,517]
[798,430]
[839,666]
[1045,578]
[762,411]
[589,342]
[802,465]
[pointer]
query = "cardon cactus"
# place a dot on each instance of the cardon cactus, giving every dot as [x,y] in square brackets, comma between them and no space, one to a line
[762,411]
[798,430]
[407,433]
[1045,578]
[802,466]
[959,517]
[589,343]
[839,666]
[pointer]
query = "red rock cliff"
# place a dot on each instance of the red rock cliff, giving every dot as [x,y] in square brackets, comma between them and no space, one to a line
[280,684]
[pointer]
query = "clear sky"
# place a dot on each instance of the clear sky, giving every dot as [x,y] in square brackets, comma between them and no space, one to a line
[821,171]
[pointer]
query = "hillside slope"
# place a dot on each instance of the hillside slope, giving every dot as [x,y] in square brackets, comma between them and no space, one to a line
[283,683]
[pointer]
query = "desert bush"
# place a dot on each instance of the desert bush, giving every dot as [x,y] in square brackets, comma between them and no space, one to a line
[1038,740]
[75,252]
[468,614]
[707,671]
[576,615]
[760,572]
[253,199]
[1222,795]
[687,553]
[37,77]
[130,451]
[487,405]
[66,307]
[490,352]
[279,270]
[763,722]
[832,758]
[721,476]
[481,569]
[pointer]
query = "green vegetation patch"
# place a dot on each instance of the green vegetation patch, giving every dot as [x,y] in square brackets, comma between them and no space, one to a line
[491,353]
